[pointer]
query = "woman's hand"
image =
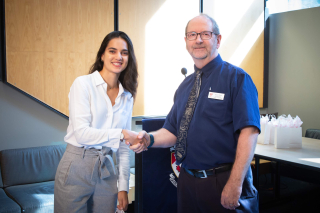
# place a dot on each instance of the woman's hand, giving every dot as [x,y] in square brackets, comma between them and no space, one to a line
[123,200]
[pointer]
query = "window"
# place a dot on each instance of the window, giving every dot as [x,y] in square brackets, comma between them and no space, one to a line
[279,6]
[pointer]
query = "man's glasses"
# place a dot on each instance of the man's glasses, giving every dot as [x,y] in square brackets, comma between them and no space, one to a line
[205,35]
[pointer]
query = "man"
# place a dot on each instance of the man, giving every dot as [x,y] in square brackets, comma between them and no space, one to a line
[214,124]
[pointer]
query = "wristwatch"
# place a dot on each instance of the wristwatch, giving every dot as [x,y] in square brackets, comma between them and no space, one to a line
[121,136]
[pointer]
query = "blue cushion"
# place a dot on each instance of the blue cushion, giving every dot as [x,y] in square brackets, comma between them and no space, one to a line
[132,159]
[36,197]
[1,184]
[132,170]
[8,205]
[30,165]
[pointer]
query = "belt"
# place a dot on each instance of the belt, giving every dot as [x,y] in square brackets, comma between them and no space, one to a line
[204,173]
[102,156]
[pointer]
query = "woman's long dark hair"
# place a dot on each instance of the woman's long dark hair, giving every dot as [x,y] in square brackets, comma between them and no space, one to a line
[129,76]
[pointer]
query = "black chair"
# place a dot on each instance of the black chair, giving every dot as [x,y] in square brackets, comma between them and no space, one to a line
[275,114]
[155,178]
[313,133]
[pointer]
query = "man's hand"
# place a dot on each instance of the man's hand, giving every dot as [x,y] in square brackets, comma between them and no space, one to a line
[123,200]
[139,147]
[230,195]
[244,154]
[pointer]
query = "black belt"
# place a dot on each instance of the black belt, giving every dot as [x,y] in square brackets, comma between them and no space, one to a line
[204,173]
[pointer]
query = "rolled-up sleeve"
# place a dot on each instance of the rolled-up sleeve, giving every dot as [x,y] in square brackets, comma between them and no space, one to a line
[123,159]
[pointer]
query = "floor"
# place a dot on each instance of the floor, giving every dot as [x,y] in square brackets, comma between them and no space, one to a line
[295,196]
[130,208]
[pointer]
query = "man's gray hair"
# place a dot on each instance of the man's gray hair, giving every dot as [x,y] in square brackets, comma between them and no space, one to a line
[215,27]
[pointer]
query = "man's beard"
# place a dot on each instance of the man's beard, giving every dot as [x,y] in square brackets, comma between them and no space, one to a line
[198,57]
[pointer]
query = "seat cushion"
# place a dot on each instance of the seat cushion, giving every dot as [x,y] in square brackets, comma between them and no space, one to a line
[1,184]
[36,197]
[30,165]
[132,159]
[8,205]
[132,171]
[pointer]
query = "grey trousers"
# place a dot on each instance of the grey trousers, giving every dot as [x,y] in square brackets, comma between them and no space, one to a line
[86,181]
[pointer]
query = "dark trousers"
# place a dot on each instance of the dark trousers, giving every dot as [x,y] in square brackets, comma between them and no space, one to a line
[203,195]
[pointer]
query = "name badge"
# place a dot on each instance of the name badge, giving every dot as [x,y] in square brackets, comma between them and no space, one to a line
[215,95]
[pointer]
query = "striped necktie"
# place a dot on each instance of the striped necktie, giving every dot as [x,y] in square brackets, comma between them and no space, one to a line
[181,144]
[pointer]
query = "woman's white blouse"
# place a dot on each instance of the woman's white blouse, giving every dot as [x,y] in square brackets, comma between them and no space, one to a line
[94,122]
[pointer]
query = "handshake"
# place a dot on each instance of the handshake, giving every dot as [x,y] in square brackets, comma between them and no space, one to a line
[138,141]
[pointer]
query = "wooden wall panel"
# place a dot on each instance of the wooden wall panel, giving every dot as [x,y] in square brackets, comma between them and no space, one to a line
[54,79]
[30,72]
[47,26]
[253,64]
[51,42]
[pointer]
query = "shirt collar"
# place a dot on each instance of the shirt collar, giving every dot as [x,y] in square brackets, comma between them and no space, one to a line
[121,89]
[98,78]
[207,69]
[99,81]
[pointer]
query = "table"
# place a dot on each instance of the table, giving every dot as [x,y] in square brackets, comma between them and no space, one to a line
[306,157]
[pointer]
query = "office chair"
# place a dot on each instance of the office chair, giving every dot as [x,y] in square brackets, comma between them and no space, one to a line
[313,133]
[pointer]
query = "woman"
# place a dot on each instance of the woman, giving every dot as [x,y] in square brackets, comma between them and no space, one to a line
[100,106]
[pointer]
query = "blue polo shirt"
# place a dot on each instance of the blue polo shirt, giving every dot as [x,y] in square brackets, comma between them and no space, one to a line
[216,124]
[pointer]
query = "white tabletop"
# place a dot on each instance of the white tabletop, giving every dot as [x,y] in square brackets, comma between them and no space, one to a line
[309,155]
